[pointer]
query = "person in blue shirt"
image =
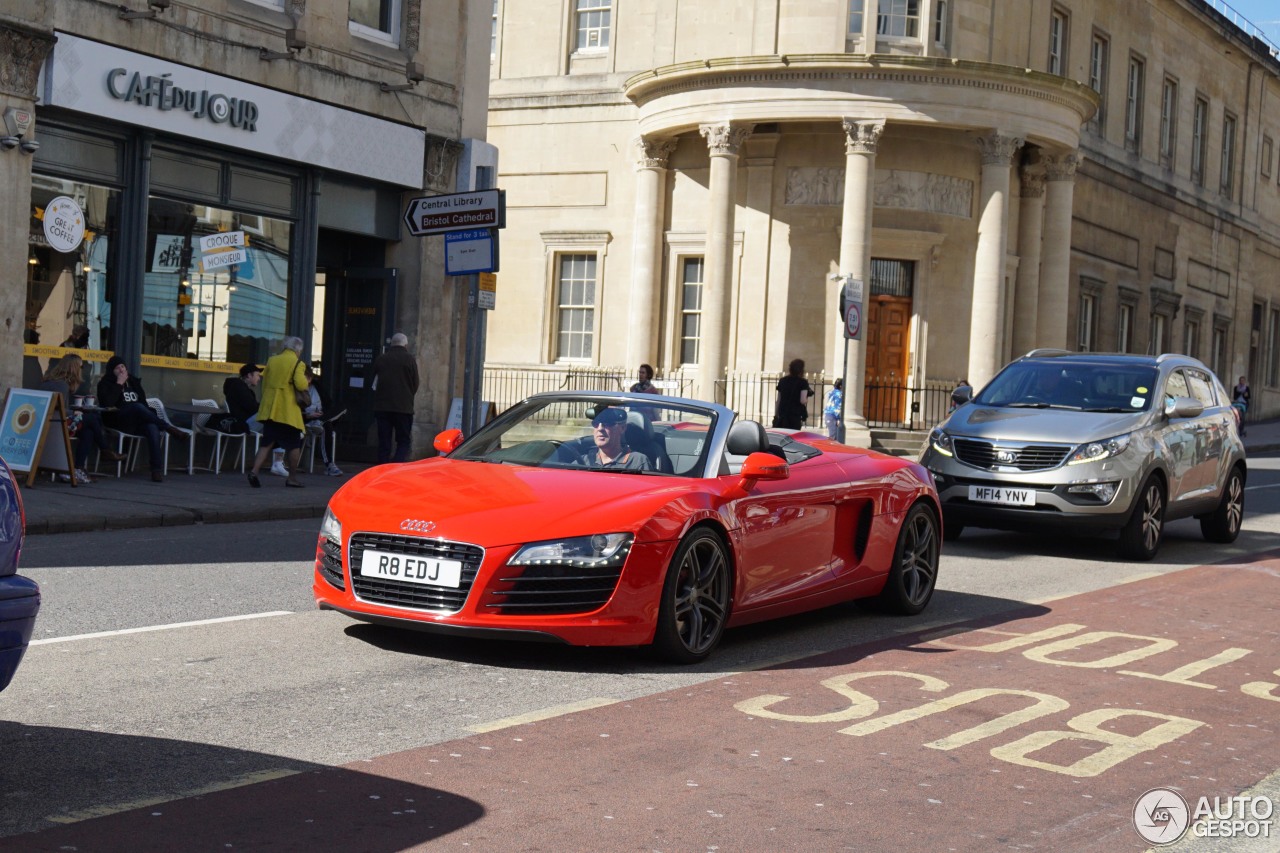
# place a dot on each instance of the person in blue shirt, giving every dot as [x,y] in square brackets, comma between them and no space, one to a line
[831,411]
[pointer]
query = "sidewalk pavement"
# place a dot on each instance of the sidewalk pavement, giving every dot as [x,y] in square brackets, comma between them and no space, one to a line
[203,498]
[200,498]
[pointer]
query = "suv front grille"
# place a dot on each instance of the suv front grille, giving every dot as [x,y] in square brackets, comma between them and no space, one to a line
[1029,457]
[412,595]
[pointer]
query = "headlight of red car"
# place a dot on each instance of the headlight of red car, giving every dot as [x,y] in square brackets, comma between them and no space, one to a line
[602,550]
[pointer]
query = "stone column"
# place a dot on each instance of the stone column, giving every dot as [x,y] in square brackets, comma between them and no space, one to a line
[1027,288]
[1055,264]
[723,141]
[24,48]
[987,320]
[651,172]
[860,140]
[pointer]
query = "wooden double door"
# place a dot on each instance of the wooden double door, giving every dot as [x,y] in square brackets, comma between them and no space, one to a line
[888,344]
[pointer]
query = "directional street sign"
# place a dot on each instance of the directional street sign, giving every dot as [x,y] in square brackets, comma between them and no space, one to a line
[438,214]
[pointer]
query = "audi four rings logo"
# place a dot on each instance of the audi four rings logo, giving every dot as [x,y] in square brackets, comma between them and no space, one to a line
[418,525]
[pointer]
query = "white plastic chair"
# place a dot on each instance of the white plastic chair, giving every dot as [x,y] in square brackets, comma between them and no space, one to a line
[221,440]
[158,407]
[127,444]
[311,436]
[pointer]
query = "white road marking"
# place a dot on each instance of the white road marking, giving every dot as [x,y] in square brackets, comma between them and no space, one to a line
[542,714]
[160,627]
[1262,486]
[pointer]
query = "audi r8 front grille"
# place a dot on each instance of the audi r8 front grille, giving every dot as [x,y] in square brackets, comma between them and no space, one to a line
[1030,457]
[413,595]
[539,590]
[331,563]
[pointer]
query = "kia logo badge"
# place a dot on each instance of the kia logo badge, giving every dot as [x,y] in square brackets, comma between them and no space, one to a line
[417,525]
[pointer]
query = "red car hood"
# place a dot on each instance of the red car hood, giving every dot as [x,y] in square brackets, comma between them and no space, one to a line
[493,504]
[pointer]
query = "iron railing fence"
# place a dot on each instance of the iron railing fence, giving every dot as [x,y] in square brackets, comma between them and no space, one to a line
[888,403]
[753,395]
[508,384]
[891,403]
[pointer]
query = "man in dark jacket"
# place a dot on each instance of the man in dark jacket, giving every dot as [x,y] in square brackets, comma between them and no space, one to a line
[395,382]
[242,403]
[127,410]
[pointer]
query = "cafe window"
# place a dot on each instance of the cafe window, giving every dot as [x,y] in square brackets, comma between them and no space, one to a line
[216,282]
[70,289]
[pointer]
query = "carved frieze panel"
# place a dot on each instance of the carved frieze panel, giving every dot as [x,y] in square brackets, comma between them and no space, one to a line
[24,51]
[898,188]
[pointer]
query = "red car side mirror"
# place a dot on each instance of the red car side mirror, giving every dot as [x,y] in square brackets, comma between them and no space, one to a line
[448,441]
[763,466]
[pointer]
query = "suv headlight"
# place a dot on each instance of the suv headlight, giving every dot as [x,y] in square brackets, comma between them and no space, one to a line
[1096,451]
[940,440]
[599,551]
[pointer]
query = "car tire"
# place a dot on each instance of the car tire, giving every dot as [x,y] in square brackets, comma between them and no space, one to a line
[1141,536]
[695,599]
[1223,524]
[914,573]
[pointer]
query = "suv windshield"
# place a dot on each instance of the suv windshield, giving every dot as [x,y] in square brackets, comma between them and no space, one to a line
[1054,384]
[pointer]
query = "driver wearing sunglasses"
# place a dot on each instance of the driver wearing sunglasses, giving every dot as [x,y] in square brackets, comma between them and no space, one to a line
[609,430]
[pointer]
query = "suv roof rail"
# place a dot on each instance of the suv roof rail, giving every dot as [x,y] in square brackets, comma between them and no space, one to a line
[1047,351]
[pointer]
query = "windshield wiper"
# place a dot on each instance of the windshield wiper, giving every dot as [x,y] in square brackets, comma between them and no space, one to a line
[1109,409]
[1040,405]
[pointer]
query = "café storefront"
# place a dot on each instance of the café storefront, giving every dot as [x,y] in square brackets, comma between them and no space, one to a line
[188,220]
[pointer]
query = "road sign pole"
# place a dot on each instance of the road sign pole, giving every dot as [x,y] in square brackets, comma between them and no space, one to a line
[471,357]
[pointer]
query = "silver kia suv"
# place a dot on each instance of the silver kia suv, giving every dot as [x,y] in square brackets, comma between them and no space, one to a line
[1093,442]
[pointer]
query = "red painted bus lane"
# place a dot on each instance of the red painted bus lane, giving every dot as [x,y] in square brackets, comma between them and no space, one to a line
[1039,731]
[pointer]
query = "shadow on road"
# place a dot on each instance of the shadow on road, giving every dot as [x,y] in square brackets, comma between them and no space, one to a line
[170,795]
[790,643]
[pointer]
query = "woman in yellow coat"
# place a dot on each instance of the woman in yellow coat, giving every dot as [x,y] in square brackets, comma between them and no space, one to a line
[279,412]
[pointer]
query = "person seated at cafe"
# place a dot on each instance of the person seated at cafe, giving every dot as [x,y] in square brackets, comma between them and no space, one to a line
[126,410]
[610,450]
[84,425]
[242,403]
[319,423]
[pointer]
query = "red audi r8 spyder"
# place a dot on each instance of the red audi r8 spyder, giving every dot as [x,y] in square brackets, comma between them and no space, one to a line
[597,518]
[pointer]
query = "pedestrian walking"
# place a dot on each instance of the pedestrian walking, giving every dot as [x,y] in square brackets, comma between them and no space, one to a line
[1240,401]
[791,408]
[395,383]
[831,411]
[644,383]
[280,412]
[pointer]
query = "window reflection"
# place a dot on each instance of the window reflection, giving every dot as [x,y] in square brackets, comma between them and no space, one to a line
[222,300]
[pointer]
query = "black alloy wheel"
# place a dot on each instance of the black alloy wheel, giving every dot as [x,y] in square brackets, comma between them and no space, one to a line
[1140,537]
[914,573]
[695,599]
[1223,524]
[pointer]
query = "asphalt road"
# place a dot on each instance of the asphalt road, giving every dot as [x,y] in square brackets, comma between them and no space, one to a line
[174,663]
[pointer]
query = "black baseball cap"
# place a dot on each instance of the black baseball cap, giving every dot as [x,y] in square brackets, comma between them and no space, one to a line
[246,369]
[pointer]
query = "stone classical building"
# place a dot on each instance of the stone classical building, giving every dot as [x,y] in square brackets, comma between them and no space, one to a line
[690,181]
[188,182]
